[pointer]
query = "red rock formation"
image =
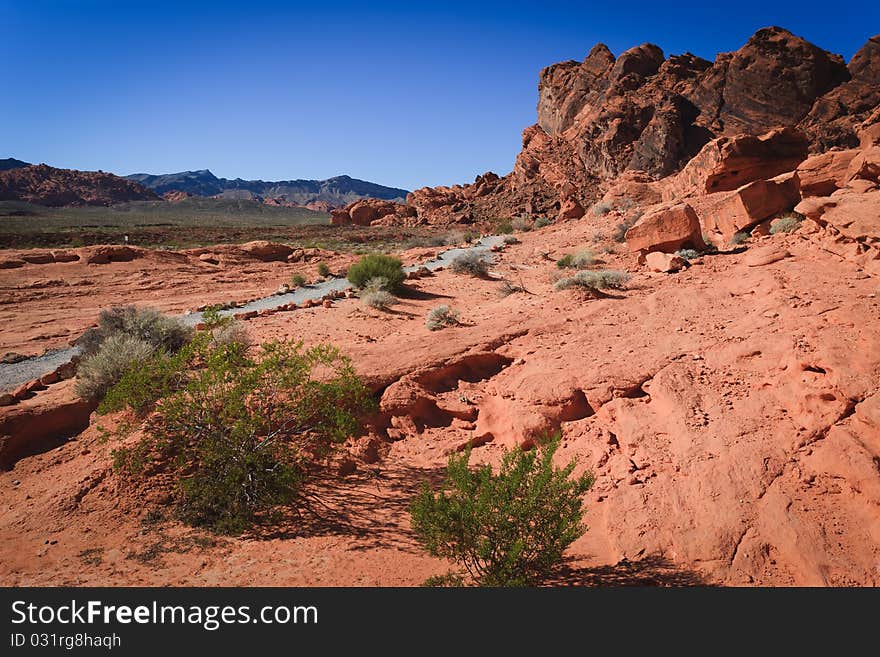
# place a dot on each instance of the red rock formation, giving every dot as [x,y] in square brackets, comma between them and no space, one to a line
[176,196]
[639,112]
[49,186]
[372,211]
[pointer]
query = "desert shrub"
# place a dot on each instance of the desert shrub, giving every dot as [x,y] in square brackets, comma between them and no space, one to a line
[602,208]
[521,224]
[298,280]
[237,433]
[323,269]
[578,260]
[739,237]
[229,333]
[470,262]
[505,529]
[510,239]
[380,299]
[593,281]
[786,223]
[441,317]
[504,227]
[124,338]
[470,236]
[146,324]
[541,222]
[688,254]
[710,244]
[507,288]
[625,204]
[376,295]
[377,266]
[619,233]
[447,580]
[103,369]
[224,330]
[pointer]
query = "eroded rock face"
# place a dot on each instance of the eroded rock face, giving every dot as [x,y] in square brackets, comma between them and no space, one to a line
[727,163]
[605,116]
[834,118]
[41,423]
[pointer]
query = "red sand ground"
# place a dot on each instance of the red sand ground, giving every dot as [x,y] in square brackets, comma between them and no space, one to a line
[730,412]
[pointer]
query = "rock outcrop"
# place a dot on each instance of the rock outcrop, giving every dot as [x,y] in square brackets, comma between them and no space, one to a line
[642,112]
[373,211]
[45,185]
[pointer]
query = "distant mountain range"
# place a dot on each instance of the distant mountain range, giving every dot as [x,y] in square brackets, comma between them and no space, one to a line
[49,186]
[337,191]
[12,163]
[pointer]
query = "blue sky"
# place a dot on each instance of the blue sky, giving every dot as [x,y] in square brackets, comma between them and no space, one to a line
[401,93]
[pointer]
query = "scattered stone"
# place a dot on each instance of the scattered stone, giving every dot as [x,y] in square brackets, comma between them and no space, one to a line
[664,262]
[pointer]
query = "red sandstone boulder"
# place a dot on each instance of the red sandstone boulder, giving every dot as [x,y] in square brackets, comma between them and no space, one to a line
[865,165]
[266,251]
[65,256]
[38,258]
[727,163]
[664,262]
[101,255]
[570,209]
[820,175]
[368,211]
[666,227]
[752,203]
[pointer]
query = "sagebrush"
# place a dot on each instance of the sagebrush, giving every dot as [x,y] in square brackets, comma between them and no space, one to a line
[441,317]
[471,262]
[594,281]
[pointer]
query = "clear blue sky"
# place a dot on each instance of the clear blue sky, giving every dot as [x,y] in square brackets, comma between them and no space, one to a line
[404,94]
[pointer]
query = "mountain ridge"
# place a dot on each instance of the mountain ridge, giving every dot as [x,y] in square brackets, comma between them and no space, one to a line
[338,190]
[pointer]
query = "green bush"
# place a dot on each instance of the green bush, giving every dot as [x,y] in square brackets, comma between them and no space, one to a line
[541,222]
[377,266]
[441,317]
[470,262]
[297,280]
[510,239]
[593,281]
[504,227]
[323,269]
[786,223]
[102,370]
[505,529]
[238,433]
